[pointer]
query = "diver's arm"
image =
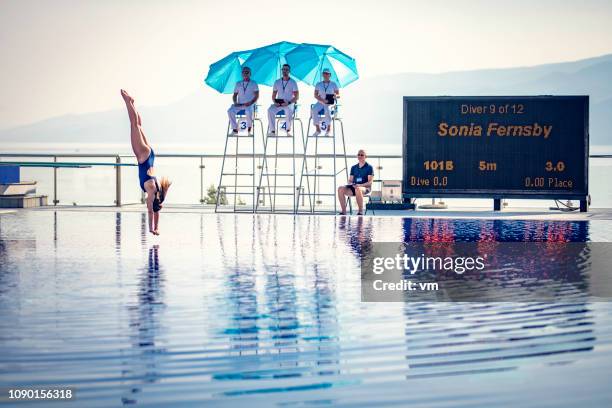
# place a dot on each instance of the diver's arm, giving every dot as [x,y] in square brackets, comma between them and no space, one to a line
[150,198]
[156,221]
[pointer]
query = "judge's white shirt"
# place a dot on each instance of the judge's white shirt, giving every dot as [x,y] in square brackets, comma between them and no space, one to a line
[246,91]
[323,88]
[285,89]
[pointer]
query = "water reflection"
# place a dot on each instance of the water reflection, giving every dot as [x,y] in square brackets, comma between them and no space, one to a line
[445,339]
[55,229]
[447,230]
[280,292]
[118,231]
[322,327]
[358,232]
[145,317]
[238,259]
[450,339]
[283,310]
[14,251]
[144,229]
[282,313]
[551,268]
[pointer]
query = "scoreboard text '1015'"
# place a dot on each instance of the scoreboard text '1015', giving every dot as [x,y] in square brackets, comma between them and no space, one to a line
[496,146]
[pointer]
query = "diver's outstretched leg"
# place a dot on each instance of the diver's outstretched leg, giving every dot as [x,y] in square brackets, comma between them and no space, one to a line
[139,145]
[139,120]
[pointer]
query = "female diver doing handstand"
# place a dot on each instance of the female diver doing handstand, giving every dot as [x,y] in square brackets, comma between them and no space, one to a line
[156,192]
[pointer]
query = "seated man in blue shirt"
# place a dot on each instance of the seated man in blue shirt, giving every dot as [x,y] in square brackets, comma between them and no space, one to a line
[360,183]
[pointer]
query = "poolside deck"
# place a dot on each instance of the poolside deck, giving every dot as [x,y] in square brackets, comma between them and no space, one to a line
[517,213]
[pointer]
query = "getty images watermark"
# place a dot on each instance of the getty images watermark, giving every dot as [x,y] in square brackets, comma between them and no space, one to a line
[486,271]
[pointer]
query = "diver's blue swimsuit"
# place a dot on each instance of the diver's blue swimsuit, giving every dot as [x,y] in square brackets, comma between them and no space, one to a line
[143,168]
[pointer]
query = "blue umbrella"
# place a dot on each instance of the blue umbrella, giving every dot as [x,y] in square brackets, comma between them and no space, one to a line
[308,60]
[266,62]
[223,74]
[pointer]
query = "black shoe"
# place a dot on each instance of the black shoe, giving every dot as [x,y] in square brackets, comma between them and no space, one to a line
[341,213]
[359,213]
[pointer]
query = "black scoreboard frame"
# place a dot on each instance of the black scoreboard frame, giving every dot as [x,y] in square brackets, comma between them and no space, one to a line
[496,194]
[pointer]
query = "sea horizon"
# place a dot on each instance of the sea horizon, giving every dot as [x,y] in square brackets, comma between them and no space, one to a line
[373,149]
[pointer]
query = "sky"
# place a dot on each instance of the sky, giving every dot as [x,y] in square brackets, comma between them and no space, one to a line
[68,57]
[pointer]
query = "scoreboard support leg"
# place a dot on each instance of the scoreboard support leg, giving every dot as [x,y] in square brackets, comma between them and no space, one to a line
[583,206]
[497,204]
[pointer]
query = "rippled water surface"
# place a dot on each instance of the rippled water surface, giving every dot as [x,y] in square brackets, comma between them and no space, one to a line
[242,310]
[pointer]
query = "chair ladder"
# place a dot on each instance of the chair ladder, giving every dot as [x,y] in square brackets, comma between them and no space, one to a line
[279,168]
[238,182]
[310,180]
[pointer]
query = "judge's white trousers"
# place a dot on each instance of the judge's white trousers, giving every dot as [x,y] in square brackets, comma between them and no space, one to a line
[273,110]
[248,113]
[316,119]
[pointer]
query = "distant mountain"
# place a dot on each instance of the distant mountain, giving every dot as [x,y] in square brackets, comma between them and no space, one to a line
[372,108]
[382,97]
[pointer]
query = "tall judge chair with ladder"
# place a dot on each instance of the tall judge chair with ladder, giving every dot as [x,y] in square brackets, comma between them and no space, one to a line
[320,169]
[278,175]
[239,182]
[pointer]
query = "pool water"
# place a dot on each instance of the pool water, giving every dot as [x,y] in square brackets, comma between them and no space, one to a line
[265,310]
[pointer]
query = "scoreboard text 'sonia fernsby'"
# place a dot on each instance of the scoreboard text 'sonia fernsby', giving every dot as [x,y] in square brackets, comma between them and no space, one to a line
[496,146]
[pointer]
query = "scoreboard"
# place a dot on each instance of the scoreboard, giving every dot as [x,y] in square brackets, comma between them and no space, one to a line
[496,147]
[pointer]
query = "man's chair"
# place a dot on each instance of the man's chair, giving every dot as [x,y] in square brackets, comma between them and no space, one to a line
[271,156]
[390,192]
[333,112]
[371,196]
[242,123]
[281,115]
[243,171]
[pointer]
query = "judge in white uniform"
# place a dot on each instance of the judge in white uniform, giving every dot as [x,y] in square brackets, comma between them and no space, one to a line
[325,93]
[246,94]
[285,94]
